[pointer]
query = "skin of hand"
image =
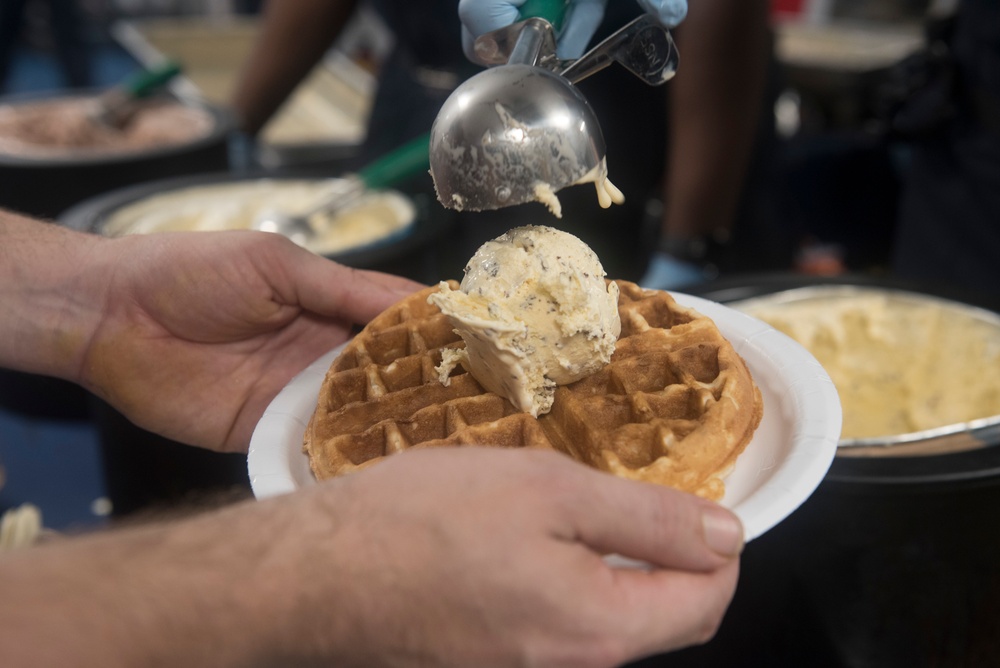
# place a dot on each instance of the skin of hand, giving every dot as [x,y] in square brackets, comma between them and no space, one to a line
[190,335]
[579,25]
[444,556]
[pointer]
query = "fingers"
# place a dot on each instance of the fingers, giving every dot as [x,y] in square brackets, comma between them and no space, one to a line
[582,19]
[544,588]
[357,294]
[665,610]
[483,16]
[655,524]
[468,44]
[330,289]
[668,12]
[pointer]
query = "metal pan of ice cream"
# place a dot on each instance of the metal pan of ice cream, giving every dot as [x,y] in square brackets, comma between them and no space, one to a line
[908,366]
[53,154]
[892,561]
[389,230]
[915,368]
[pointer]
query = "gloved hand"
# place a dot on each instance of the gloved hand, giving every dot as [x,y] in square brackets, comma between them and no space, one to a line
[581,22]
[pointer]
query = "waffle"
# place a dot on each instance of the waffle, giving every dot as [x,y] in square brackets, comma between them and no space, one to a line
[675,405]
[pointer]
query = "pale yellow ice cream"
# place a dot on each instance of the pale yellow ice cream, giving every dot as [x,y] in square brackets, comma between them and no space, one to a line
[535,312]
[236,205]
[901,364]
[607,192]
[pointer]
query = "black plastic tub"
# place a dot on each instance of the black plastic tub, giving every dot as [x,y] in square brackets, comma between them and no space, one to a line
[45,186]
[412,253]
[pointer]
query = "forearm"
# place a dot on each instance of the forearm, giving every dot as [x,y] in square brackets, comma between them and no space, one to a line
[716,101]
[200,591]
[51,282]
[293,37]
[493,559]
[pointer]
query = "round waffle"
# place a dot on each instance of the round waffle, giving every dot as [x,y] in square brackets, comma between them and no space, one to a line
[675,405]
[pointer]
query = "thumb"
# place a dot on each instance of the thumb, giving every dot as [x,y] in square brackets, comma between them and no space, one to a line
[582,20]
[668,12]
[483,16]
[330,289]
[666,528]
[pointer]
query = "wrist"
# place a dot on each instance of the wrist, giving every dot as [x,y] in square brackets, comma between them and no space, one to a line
[48,280]
[171,594]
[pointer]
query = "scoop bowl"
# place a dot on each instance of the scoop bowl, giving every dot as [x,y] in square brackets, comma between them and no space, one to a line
[507,131]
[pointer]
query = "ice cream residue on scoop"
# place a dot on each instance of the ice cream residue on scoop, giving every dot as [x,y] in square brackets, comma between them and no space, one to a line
[607,192]
[535,312]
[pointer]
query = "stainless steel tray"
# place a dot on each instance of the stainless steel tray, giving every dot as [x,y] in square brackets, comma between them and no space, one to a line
[958,437]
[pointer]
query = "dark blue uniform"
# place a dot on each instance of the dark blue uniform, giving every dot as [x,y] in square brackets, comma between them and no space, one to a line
[949,226]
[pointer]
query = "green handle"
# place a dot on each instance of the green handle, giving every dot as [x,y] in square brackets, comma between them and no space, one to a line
[553,11]
[399,164]
[148,81]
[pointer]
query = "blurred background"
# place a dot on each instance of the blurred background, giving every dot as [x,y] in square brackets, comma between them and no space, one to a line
[831,165]
[779,157]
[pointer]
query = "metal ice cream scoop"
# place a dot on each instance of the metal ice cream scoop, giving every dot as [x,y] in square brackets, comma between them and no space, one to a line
[392,168]
[522,125]
[115,107]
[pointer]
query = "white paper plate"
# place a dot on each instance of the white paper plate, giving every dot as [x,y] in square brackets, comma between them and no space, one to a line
[790,452]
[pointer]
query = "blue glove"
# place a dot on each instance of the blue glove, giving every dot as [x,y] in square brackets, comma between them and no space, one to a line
[581,22]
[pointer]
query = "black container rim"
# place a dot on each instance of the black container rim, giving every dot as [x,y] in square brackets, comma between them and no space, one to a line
[429,223]
[223,125]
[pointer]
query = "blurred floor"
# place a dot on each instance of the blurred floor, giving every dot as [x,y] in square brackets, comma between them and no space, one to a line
[55,465]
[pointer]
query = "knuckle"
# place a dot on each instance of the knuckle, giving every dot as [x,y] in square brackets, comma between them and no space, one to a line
[710,623]
[594,651]
[708,629]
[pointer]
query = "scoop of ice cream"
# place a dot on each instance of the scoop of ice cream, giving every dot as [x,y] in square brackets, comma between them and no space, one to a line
[535,312]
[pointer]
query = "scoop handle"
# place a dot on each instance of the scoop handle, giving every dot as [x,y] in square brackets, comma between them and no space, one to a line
[148,81]
[553,11]
[398,164]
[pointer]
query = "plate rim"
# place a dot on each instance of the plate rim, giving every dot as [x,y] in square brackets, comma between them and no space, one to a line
[789,484]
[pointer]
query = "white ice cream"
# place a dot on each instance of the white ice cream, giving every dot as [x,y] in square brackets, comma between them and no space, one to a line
[535,312]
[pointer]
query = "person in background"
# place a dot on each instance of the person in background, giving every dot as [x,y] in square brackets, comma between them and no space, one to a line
[680,152]
[66,23]
[948,228]
[447,556]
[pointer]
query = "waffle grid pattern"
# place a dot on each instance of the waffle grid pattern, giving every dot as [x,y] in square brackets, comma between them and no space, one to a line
[676,405]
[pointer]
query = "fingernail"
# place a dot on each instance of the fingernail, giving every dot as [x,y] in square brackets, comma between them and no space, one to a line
[723,531]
